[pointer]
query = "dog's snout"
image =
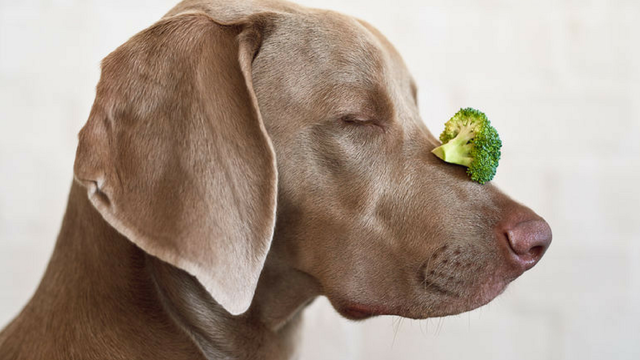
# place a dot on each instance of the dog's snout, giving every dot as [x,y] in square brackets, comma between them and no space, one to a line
[527,237]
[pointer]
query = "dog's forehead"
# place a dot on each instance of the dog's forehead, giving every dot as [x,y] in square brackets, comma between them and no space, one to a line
[332,59]
[396,63]
[343,47]
[358,44]
[397,78]
[370,60]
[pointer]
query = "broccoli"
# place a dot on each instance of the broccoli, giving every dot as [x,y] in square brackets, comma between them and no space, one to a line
[469,140]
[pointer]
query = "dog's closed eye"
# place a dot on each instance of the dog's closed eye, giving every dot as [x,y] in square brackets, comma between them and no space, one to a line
[361,120]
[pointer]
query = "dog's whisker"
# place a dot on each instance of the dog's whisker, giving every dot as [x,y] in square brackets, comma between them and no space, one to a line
[395,329]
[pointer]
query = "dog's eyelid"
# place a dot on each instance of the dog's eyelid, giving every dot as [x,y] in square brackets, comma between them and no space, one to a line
[354,118]
[360,119]
[363,121]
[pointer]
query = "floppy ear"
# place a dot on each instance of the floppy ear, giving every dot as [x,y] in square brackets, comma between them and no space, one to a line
[175,155]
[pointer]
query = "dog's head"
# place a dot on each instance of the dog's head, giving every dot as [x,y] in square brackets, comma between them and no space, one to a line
[222,129]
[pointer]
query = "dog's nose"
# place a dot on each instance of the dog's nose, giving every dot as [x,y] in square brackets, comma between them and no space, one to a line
[529,240]
[527,235]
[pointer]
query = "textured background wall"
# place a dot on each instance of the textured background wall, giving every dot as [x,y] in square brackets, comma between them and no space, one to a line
[559,79]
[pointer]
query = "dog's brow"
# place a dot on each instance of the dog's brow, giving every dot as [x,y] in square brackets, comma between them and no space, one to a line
[371,101]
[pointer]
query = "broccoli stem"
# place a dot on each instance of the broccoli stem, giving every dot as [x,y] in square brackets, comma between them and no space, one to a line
[456,150]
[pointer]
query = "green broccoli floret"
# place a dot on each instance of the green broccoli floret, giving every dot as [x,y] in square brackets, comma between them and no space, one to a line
[469,140]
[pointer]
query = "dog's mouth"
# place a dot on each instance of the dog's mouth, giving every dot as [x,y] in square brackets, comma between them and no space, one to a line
[435,294]
[462,287]
[435,300]
[454,279]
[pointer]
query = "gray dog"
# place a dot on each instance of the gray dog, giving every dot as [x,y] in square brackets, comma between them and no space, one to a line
[241,159]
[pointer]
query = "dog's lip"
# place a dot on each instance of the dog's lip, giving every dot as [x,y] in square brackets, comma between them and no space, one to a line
[360,311]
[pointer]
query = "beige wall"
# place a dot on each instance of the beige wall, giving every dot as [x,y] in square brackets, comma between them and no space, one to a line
[560,80]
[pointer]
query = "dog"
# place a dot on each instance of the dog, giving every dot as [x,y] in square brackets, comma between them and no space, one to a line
[241,159]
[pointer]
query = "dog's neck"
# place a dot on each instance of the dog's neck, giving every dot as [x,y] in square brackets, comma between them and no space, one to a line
[268,330]
[104,276]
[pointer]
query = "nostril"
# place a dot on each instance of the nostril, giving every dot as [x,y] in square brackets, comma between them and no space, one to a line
[536,251]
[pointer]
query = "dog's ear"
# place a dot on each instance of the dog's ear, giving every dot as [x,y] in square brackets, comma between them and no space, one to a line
[175,155]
